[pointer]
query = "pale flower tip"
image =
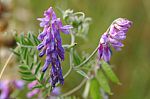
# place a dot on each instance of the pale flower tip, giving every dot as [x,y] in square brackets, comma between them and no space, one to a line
[40,19]
[50,7]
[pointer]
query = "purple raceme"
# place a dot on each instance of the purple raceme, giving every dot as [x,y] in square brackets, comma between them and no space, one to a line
[113,37]
[51,44]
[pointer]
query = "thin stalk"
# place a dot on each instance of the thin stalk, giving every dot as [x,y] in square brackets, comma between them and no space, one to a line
[74,89]
[6,63]
[80,13]
[84,80]
[71,56]
[26,46]
[77,87]
[84,62]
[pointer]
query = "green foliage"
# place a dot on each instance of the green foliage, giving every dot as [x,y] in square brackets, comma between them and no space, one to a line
[95,89]
[102,78]
[29,60]
[103,81]
[37,86]
[69,97]
[109,72]
[77,58]
[86,89]
[68,47]
[81,72]
[78,21]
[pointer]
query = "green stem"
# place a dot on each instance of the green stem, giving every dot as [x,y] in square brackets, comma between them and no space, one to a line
[71,56]
[74,89]
[77,87]
[84,62]
[26,46]
[84,80]
[80,13]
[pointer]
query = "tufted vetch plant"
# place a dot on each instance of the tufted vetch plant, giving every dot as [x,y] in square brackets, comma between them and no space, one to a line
[41,54]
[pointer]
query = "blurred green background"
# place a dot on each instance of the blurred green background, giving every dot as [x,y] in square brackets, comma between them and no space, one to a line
[132,64]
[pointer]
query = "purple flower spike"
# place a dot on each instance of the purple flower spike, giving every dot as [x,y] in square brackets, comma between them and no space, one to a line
[40,46]
[51,45]
[113,37]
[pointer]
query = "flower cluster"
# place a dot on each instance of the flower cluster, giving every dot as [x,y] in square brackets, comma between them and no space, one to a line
[7,87]
[79,22]
[113,37]
[51,44]
[36,91]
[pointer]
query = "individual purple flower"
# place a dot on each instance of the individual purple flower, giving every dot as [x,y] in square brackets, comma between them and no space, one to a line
[33,92]
[104,50]
[32,84]
[113,37]
[55,93]
[4,89]
[51,44]
[19,84]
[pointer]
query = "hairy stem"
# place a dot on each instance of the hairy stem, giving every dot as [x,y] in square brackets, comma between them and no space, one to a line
[71,56]
[84,62]
[74,89]
[26,46]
